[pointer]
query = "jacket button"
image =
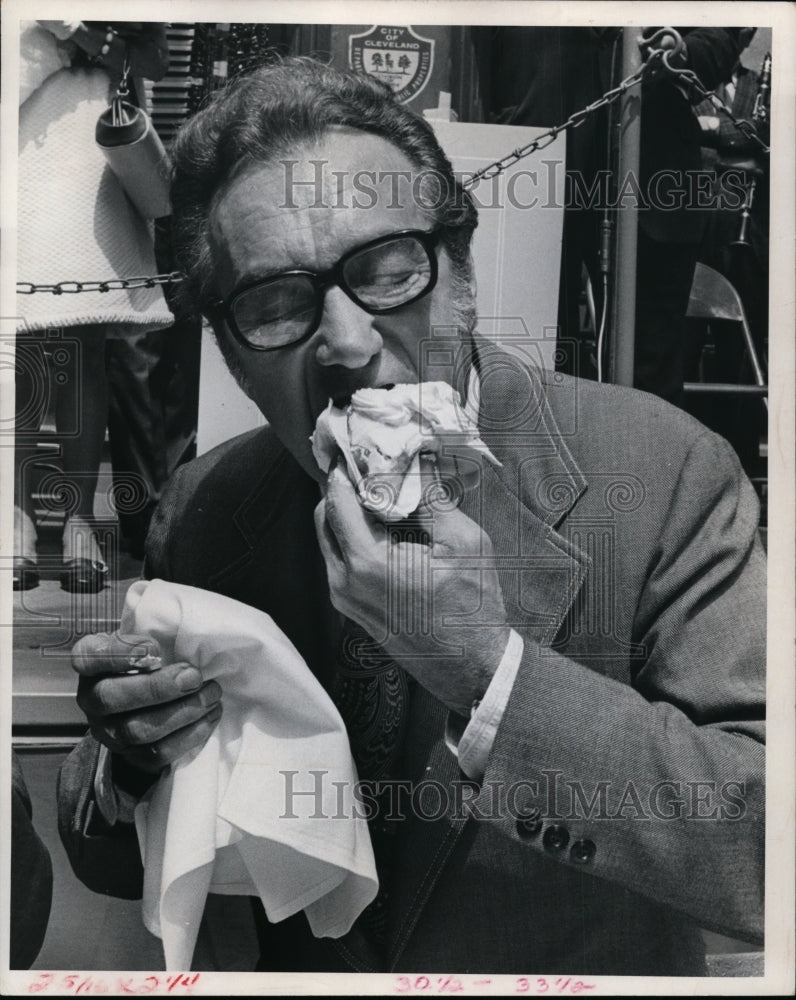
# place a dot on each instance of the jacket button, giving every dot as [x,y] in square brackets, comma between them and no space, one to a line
[582,851]
[555,838]
[529,822]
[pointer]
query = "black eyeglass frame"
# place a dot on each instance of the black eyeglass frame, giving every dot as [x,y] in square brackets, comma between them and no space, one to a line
[429,238]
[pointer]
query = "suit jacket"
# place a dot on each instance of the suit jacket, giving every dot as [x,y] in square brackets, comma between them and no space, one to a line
[628,767]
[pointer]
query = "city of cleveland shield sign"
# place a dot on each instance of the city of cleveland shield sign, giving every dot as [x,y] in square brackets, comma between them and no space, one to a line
[397,56]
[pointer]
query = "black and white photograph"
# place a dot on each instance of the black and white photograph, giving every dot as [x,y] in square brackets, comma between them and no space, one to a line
[434,633]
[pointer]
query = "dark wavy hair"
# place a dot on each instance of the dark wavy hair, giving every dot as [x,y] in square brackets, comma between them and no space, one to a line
[270,111]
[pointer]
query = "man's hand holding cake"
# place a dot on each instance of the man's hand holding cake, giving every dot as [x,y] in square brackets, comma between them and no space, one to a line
[384,454]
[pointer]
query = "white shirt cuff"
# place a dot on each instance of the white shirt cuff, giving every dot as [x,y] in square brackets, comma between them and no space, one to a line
[473,742]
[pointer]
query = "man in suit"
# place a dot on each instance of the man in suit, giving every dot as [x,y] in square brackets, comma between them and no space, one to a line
[586,699]
[671,228]
[540,76]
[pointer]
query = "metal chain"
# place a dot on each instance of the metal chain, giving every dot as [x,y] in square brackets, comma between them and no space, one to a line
[111,285]
[541,141]
[544,139]
[690,78]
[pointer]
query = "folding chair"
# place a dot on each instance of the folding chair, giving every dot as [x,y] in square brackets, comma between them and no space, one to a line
[713,297]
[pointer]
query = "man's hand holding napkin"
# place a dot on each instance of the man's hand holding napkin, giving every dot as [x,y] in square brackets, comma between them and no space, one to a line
[228,815]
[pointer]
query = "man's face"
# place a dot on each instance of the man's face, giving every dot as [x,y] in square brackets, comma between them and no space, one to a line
[265,222]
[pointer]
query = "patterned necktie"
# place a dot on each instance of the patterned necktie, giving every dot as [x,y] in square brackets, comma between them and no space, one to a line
[372,693]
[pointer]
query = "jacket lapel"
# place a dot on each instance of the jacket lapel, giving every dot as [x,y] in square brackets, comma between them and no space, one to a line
[522,503]
[519,506]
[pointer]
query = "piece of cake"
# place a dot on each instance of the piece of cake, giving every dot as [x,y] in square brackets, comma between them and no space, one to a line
[383,432]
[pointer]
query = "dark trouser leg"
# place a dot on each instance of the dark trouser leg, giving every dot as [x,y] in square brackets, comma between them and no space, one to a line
[154,404]
[663,286]
[137,430]
[578,249]
[31,403]
[182,356]
[81,417]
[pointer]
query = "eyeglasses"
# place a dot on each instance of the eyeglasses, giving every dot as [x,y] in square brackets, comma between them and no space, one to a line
[380,276]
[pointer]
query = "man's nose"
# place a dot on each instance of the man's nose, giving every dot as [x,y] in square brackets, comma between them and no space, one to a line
[346,335]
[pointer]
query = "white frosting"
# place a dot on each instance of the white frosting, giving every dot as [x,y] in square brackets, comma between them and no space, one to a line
[383,433]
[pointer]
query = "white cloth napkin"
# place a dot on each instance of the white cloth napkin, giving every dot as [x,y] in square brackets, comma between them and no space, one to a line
[222,819]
